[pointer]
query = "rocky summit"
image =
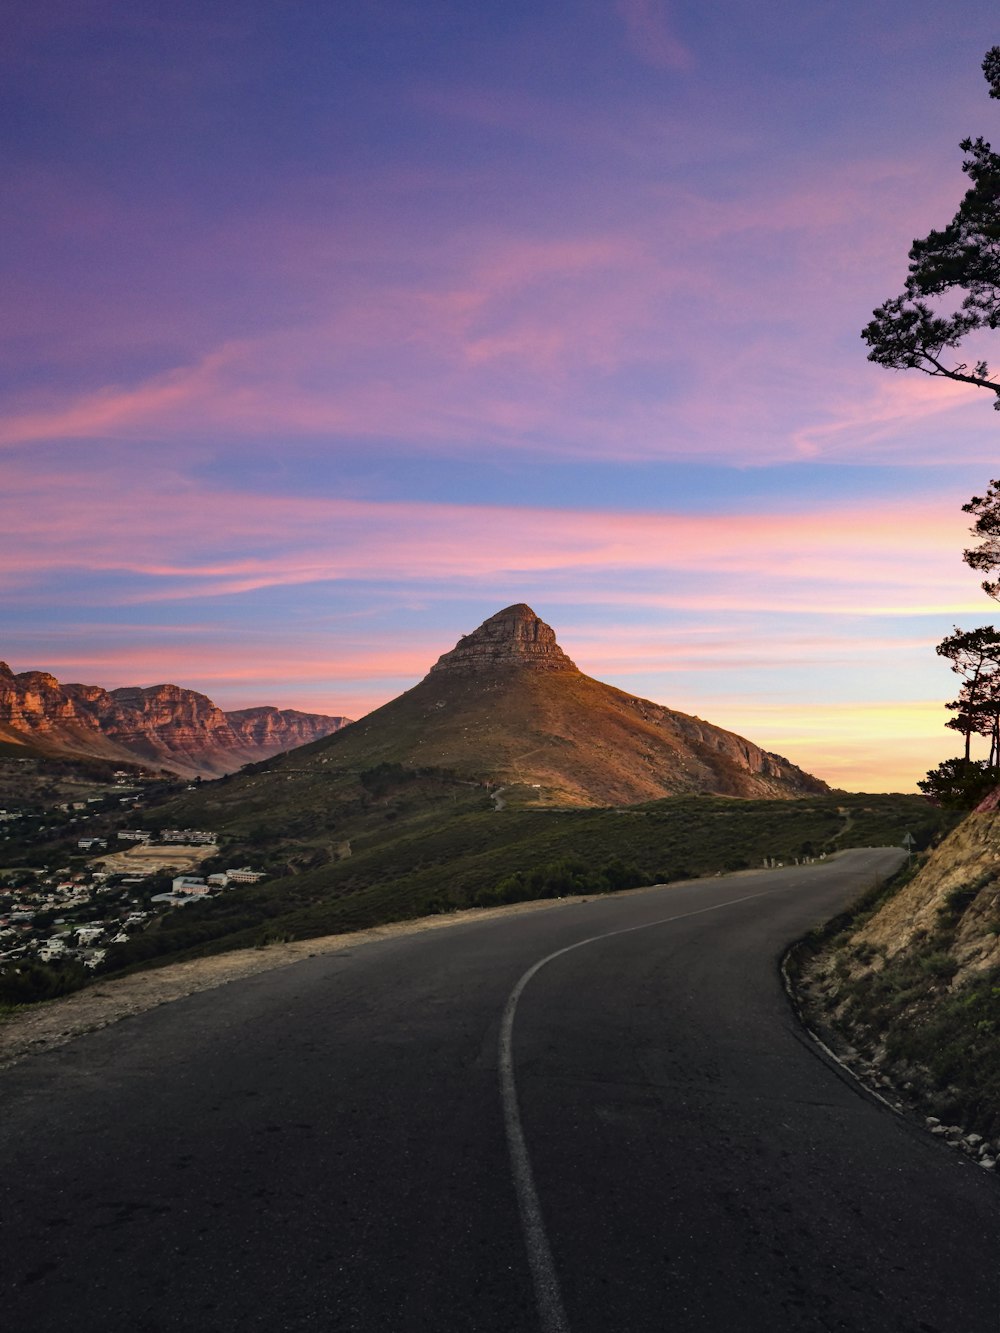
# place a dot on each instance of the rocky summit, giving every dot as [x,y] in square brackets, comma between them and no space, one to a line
[514,637]
[162,726]
[508,707]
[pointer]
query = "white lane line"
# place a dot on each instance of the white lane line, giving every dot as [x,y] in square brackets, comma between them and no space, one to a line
[548,1297]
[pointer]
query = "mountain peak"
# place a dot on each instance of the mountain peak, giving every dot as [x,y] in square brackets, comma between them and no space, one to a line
[507,706]
[514,637]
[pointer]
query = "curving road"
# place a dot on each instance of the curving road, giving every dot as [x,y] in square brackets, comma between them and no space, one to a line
[597,1118]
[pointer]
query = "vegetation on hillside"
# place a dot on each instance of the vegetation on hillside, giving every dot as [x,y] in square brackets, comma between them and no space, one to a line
[30,778]
[393,843]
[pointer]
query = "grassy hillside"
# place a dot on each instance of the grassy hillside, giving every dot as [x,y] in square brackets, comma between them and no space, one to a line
[394,843]
[31,778]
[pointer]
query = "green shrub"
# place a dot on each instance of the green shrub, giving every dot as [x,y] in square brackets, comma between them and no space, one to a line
[29,982]
[940,965]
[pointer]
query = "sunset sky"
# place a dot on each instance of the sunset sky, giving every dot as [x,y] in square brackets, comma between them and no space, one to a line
[329,330]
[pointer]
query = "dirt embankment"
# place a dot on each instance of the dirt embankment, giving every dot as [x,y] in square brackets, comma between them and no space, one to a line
[908,990]
[961,879]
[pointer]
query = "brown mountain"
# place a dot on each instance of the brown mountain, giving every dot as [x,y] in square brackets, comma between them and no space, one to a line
[507,704]
[163,726]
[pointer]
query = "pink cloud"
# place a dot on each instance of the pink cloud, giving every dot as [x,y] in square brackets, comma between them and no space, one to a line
[234,662]
[500,338]
[417,363]
[200,543]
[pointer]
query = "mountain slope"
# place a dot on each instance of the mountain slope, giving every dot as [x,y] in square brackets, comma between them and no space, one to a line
[507,706]
[163,726]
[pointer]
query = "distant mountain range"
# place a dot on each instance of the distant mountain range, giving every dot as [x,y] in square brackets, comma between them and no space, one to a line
[507,705]
[162,726]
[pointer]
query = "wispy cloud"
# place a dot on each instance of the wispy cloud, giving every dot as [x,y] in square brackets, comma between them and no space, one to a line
[630,339]
[170,540]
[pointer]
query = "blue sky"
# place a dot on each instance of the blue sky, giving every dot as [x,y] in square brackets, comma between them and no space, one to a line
[329,332]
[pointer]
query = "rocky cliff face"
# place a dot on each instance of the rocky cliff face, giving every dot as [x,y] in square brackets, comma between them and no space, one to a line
[282,729]
[163,725]
[34,701]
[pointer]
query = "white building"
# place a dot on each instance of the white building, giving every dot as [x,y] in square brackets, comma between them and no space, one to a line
[187,836]
[244,875]
[188,884]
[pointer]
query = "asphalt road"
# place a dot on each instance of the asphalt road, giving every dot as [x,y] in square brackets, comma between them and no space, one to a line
[364,1142]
